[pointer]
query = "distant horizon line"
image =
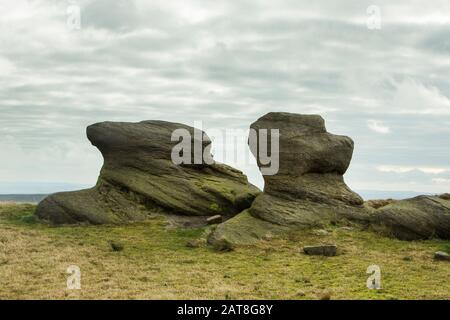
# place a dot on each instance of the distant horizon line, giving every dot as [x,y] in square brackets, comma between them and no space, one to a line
[366,194]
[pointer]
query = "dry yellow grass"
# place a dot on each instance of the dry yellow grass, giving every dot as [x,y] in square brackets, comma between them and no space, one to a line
[6,203]
[156,264]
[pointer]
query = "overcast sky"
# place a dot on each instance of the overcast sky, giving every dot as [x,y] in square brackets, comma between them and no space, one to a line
[226,63]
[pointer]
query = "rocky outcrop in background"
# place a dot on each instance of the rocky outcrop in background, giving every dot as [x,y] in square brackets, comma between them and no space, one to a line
[138,178]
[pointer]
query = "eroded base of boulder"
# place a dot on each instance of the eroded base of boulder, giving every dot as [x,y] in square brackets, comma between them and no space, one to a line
[109,203]
[100,205]
[419,218]
[272,216]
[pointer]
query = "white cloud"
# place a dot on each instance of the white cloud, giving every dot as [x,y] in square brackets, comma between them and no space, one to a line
[411,96]
[406,169]
[378,126]
[441,181]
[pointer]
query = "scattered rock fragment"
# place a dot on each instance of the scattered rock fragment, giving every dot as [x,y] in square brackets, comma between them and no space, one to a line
[408,258]
[321,250]
[300,293]
[442,256]
[193,244]
[215,219]
[116,246]
[325,296]
[222,245]
[321,232]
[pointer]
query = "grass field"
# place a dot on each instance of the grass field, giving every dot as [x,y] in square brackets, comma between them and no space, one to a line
[155,263]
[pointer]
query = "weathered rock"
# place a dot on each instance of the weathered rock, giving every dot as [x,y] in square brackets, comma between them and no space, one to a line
[322,250]
[305,146]
[445,196]
[325,296]
[116,246]
[300,293]
[309,189]
[321,232]
[421,217]
[244,229]
[442,256]
[214,219]
[138,178]
[193,244]
[223,245]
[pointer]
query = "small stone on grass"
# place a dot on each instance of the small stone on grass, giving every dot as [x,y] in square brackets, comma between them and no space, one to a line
[193,244]
[222,245]
[322,250]
[116,246]
[320,232]
[441,256]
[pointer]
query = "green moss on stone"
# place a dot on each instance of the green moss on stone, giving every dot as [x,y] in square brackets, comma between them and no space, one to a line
[215,207]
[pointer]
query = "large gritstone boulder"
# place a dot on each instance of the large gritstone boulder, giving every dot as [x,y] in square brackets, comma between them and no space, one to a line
[308,190]
[140,178]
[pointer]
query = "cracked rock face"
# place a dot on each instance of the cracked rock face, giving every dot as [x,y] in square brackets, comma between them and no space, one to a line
[138,178]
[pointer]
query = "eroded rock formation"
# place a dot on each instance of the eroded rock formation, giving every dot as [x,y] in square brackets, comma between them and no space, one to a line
[309,188]
[309,191]
[138,178]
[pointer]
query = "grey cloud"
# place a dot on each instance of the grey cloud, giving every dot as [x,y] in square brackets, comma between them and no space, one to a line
[116,15]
